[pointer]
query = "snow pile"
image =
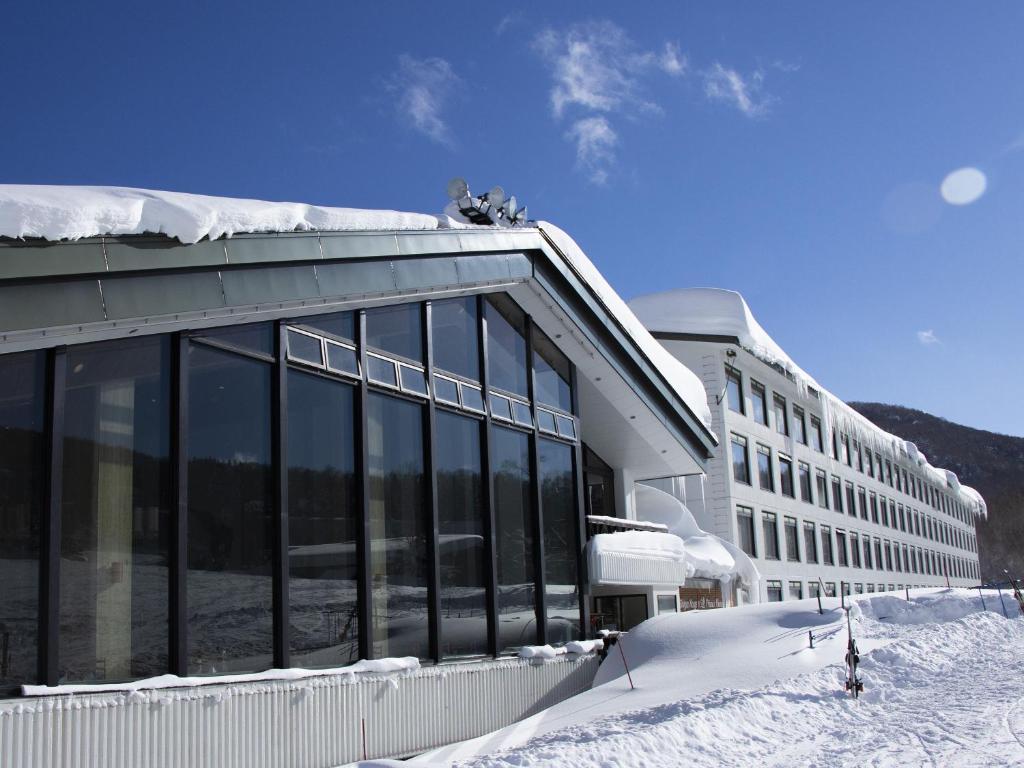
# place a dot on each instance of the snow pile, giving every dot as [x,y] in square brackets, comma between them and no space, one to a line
[707,556]
[364,667]
[547,652]
[742,687]
[70,213]
[720,312]
[682,379]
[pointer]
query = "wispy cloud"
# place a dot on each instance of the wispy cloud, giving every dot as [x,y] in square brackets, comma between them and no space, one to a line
[595,142]
[730,87]
[424,86]
[927,338]
[597,71]
[507,21]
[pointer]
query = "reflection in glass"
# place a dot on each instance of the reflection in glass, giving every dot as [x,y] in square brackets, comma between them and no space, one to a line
[22,456]
[255,337]
[501,408]
[446,390]
[398,544]
[561,575]
[381,371]
[323,515]
[506,345]
[342,359]
[456,336]
[472,398]
[550,373]
[546,420]
[522,413]
[116,510]
[397,329]
[517,620]
[461,534]
[304,348]
[339,324]
[230,513]
[413,380]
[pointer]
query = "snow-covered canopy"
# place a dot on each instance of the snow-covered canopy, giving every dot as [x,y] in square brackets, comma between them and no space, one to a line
[720,312]
[69,213]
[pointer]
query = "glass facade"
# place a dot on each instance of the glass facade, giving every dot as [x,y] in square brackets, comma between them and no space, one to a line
[266,495]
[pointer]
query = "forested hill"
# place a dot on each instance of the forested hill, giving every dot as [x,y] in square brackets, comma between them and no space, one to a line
[990,462]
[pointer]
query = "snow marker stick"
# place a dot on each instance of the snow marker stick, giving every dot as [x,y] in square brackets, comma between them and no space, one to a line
[853,683]
[1016,591]
[623,654]
[364,738]
[982,596]
[1002,605]
[810,636]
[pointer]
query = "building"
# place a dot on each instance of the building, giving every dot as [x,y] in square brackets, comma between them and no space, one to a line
[330,469]
[816,494]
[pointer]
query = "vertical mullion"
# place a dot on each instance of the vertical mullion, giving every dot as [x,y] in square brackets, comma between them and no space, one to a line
[279,436]
[535,495]
[580,489]
[363,462]
[490,520]
[178,555]
[49,561]
[430,492]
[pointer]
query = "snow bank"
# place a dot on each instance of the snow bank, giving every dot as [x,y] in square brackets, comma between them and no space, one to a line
[70,213]
[720,312]
[377,666]
[545,652]
[742,687]
[643,543]
[681,378]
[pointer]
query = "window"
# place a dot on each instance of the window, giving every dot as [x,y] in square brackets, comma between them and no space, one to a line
[338,325]
[816,441]
[551,373]
[786,475]
[866,547]
[805,482]
[745,529]
[599,479]
[455,328]
[799,424]
[510,457]
[770,529]
[734,390]
[858,457]
[765,476]
[398,531]
[878,555]
[22,459]
[822,487]
[558,511]
[869,467]
[397,330]
[759,402]
[230,513]
[461,529]
[851,500]
[740,468]
[810,543]
[813,589]
[796,591]
[862,503]
[323,522]
[846,450]
[773,589]
[781,418]
[841,548]
[854,549]
[115,515]
[667,604]
[506,345]
[888,556]
[830,589]
[827,556]
[837,494]
[874,508]
[792,543]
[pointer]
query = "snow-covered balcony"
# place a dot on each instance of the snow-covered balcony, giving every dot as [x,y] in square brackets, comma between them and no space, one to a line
[636,557]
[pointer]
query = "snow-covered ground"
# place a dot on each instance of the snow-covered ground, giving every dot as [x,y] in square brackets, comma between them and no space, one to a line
[741,687]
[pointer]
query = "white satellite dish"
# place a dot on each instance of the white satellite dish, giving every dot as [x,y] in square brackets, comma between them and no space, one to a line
[458,188]
[496,197]
[511,207]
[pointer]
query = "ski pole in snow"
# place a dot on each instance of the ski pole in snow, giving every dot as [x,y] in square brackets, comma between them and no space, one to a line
[999,591]
[1016,591]
[623,654]
[982,596]
[853,683]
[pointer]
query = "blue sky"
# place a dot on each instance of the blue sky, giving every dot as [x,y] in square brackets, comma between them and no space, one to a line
[791,151]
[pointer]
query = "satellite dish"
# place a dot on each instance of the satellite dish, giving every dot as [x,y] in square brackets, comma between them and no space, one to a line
[496,197]
[511,207]
[458,188]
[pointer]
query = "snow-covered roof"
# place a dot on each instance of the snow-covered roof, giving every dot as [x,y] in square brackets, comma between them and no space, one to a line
[720,312]
[70,213]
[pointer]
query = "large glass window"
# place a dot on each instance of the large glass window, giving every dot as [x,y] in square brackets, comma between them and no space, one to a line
[599,479]
[398,531]
[230,513]
[561,576]
[506,345]
[22,456]
[510,458]
[456,333]
[397,330]
[116,511]
[461,532]
[323,522]
[551,377]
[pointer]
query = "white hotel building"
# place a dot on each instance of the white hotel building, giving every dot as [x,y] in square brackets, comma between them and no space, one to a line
[812,491]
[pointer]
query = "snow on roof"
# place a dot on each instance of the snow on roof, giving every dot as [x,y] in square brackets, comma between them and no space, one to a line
[686,383]
[70,213]
[720,312]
